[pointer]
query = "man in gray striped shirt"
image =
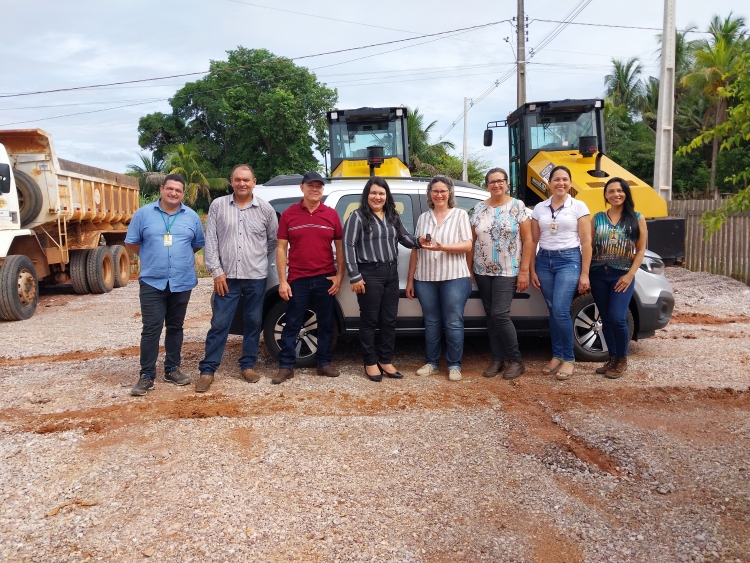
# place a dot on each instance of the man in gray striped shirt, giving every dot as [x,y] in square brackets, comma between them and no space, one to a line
[240,235]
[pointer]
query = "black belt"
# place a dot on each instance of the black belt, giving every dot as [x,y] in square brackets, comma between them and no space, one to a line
[376,264]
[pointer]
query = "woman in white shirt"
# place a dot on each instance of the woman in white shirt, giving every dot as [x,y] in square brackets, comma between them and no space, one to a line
[439,276]
[562,228]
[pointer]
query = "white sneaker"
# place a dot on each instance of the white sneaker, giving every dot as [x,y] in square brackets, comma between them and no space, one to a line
[427,369]
[454,375]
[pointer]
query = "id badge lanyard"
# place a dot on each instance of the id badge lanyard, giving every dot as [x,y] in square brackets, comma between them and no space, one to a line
[554,213]
[168,235]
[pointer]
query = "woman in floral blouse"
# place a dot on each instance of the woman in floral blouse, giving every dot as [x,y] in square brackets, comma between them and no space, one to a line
[502,254]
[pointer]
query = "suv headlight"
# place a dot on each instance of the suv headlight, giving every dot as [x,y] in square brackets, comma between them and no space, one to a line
[652,266]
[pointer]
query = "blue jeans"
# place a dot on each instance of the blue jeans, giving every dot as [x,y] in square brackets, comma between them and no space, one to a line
[303,289]
[224,307]
[160,307]
[443,304]
[497,297]
[558,272]
[613,308]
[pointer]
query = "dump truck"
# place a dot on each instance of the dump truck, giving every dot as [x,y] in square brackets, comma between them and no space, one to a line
[61,222]
[542,135]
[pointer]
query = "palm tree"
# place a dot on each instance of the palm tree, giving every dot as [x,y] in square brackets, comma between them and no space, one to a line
[186,161]
[648,103]
[421,152]
[150,166]
[624,86]
[715,64]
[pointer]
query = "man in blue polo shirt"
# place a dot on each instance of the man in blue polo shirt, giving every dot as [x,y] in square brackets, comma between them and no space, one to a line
[165,234]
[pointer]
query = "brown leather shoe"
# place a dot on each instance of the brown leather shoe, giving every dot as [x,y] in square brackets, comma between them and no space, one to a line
[601,370]
[203,383]
[618,368]
[514,369]
[328,371]
[494,368]
[283,375]
[250,375]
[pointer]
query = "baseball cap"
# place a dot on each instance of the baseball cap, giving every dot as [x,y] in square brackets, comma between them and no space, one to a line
[314,177]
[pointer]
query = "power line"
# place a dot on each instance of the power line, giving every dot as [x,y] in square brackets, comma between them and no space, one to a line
[364,24]
[618,26]
[558,29]
[338,51]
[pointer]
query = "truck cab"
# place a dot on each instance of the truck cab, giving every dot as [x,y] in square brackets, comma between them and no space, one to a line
[542,135]
[366,139]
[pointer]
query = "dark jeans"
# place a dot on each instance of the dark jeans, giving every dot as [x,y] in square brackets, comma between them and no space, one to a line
[613,308]
[378,308]
[224,307]
[497,297]
[303,289]
[558,272]
[157,309]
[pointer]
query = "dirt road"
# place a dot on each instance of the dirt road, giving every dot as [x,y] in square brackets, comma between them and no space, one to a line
[652,467]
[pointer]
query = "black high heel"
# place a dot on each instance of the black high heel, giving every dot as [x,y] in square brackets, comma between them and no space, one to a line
[394,375]
[376,378]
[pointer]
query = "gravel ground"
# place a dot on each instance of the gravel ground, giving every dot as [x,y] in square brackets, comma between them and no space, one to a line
[651,467]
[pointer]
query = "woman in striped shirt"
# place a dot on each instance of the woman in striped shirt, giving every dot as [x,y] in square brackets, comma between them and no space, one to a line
[439,275]
[371,235]
[619,246]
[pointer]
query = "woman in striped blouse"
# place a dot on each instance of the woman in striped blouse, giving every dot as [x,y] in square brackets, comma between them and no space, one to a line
[439,276]
[371,235]
[619,246]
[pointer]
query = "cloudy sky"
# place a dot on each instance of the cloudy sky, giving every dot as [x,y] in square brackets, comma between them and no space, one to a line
[58,44]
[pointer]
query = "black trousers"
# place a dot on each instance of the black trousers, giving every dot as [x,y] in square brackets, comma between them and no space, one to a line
[378,308]
[159,308]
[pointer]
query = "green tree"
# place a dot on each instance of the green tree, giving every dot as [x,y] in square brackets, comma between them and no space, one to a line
[624,86]
[735,132]
[421,151]
[254,108]
[428,159]
[186,161]
[630,143]
[145,172]
[714,69]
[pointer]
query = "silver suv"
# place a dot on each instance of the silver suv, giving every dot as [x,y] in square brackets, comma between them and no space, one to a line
[650,308]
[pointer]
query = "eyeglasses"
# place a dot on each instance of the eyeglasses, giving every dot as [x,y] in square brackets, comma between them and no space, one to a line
[497,182]
[440,192]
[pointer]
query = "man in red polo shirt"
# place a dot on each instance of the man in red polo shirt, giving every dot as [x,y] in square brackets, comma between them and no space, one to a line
[306,230]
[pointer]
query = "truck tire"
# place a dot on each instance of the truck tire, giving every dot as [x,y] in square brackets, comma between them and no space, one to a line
[121,259]
[307,343]
[77,267]
[19,291]
[29,197]
[100,270]
[588,339]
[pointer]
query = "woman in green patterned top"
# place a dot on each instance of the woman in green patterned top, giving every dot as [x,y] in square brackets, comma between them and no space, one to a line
[619,246]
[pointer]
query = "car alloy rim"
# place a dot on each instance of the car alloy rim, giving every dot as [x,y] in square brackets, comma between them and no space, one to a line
[307,339]
[587,329]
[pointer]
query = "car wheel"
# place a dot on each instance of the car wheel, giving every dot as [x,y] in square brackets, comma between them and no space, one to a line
[307,339]
[588,341]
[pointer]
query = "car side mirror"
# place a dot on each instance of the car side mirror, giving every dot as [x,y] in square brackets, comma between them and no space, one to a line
[488,137]
[4,178]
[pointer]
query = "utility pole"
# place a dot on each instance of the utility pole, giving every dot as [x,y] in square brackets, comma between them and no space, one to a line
[665,115]
[465,173]
[521,56]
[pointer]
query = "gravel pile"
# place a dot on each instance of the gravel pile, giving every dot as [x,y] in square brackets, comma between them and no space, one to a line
[651,467]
